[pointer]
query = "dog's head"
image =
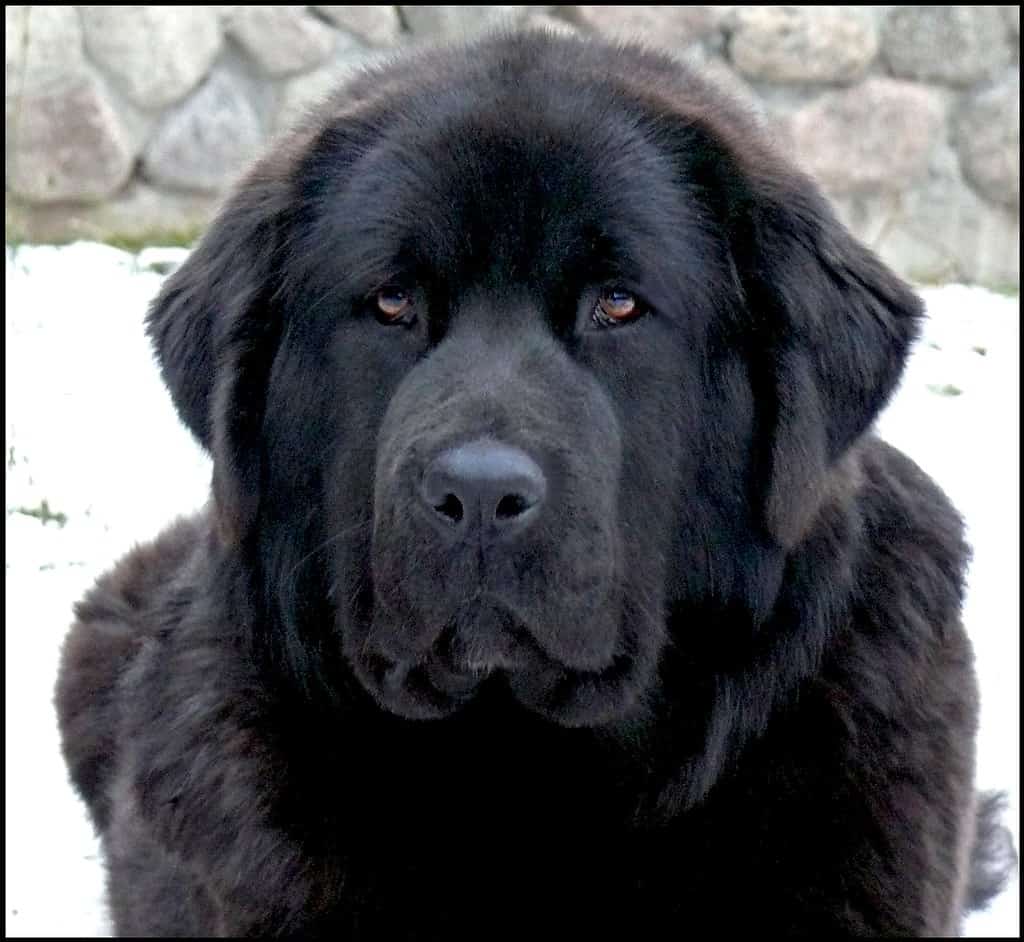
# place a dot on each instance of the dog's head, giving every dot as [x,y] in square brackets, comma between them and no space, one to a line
[509,352]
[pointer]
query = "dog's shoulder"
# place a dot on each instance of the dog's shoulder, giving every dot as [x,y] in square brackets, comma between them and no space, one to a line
[904,652]
[114,621]
[133,587]
[911,525]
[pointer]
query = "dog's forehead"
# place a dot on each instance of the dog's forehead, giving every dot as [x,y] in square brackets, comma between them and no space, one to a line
[511,179]
[515,190]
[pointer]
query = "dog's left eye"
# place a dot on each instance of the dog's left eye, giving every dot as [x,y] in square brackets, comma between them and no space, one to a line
[394,306]
[615,306]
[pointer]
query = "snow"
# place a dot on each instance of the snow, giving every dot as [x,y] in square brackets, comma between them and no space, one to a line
[80,373]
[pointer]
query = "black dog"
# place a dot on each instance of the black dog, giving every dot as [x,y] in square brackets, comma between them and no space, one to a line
[553,581]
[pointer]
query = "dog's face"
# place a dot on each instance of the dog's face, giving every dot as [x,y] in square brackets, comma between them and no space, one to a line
[509,359]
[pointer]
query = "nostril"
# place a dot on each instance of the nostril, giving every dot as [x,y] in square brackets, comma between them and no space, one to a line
[450,507]
[483,485]
[512,506]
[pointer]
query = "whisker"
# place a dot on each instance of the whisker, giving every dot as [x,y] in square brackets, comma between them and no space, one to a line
[340,535]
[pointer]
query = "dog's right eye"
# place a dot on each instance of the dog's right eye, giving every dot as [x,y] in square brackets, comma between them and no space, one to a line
[616,306]
[394,306]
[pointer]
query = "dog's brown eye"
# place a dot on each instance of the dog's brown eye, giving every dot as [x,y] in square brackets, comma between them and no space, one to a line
[393,305]
[616,307]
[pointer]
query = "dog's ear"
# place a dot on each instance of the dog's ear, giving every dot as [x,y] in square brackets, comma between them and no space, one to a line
[836,325]
[217,323]
[215,329]
[828,326]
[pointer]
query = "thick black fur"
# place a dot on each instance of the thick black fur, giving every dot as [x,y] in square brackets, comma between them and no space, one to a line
[721,682]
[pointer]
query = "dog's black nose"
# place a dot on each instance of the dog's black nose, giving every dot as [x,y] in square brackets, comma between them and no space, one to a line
[484,485]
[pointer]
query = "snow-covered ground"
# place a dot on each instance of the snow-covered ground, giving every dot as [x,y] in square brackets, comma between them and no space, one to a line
[91,436]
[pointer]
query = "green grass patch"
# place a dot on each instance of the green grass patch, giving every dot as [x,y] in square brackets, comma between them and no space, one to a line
[171,238]
[17,234]
[1007,289]
[161,268]
[44,514]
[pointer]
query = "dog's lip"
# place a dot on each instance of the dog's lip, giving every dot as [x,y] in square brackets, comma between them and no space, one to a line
[442,679]
[457,684]
[422,689]
[425,681]
[454,667]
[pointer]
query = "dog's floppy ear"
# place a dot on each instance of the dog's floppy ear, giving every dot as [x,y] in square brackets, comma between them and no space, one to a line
[829,326]
[215,329]
[836,326]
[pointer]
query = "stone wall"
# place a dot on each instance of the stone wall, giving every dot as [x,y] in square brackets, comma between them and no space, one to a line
[127,123]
